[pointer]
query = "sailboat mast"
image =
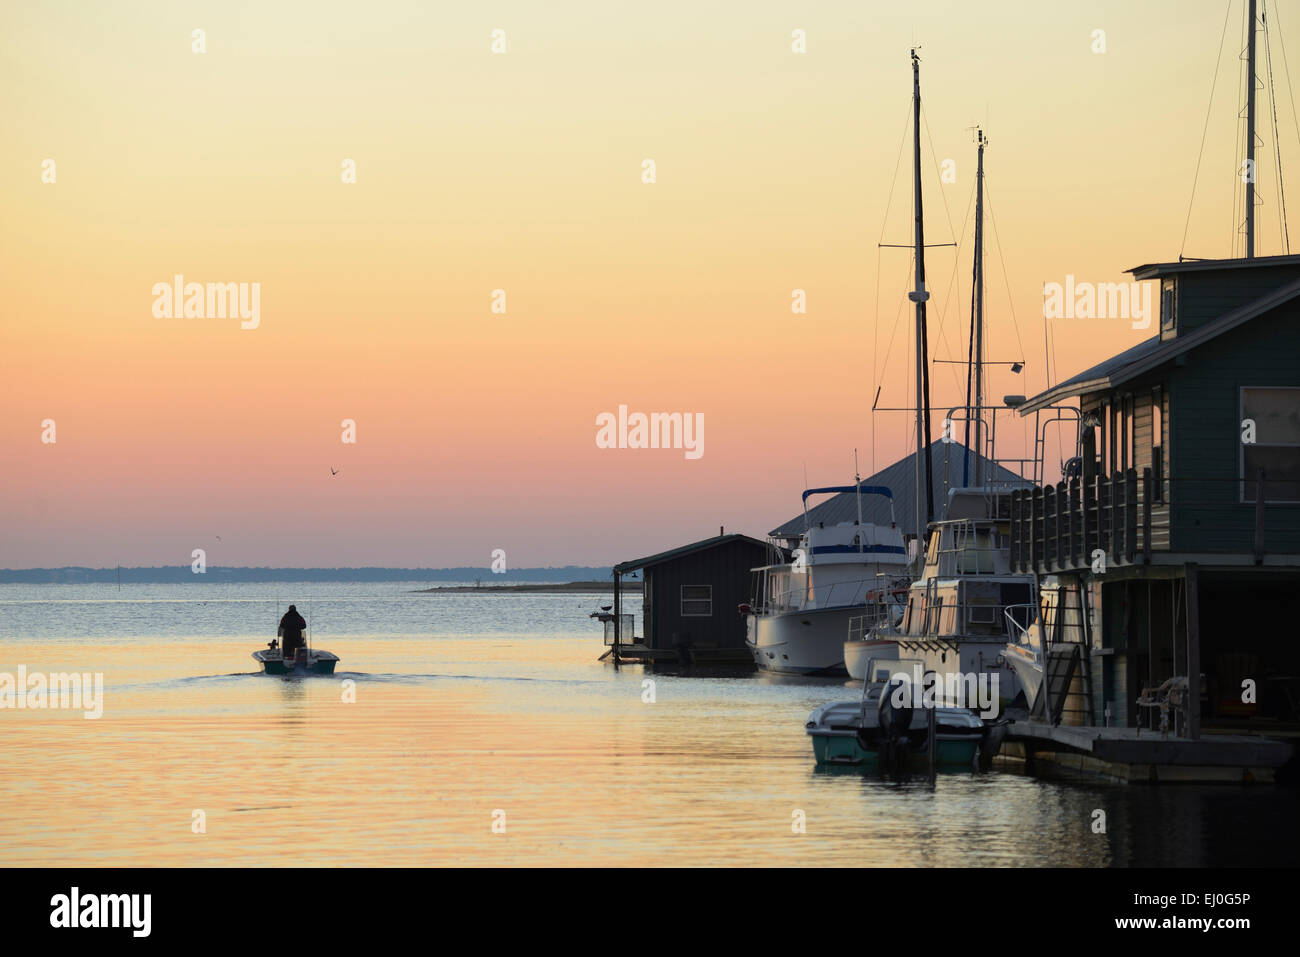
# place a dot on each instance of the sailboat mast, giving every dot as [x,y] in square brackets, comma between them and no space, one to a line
[979,312]
[857,488]
[1250,130]
[924,494]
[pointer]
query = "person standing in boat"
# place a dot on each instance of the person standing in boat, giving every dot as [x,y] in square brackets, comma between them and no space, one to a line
[291,628]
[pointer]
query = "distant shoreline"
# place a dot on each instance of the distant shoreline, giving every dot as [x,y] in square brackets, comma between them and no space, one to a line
[227,574]
[532,588]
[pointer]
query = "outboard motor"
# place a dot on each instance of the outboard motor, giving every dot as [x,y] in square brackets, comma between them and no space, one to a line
[895,721]
[994,735]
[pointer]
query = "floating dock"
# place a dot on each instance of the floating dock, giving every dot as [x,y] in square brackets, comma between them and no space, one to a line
[1138,755]
[637,654]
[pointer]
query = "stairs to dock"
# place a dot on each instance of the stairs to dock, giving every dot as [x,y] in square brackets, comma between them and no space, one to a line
[1066,662]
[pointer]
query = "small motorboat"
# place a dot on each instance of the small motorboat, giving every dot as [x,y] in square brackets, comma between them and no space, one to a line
[874,731]
[305,661]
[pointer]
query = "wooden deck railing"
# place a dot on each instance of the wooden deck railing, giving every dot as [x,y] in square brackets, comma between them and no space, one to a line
[1060,527]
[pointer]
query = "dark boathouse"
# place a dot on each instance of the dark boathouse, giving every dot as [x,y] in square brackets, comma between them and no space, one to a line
[1177,537]
[690,601]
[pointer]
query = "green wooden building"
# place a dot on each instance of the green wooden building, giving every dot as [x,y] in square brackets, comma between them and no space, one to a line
[1177,530]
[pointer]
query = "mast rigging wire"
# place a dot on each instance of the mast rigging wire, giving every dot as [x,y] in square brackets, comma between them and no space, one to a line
[1209,107]
[1284,232]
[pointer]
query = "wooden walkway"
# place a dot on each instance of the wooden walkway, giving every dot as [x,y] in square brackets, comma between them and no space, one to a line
[640,654]
[1135,754]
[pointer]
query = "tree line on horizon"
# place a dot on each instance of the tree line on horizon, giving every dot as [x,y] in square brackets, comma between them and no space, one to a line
[181,574]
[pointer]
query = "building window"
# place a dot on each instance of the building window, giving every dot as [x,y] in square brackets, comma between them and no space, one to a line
[1276,449]
[1092,442]
[1158,444]
[1112,459]
[1167,304]
[1126,457]
[697,601]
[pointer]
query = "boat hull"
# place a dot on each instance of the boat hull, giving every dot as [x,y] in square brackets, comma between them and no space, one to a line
[858,655]
[846,733]
[1029,671]
[843,749]
[808,642]
[318,663]
[953,667]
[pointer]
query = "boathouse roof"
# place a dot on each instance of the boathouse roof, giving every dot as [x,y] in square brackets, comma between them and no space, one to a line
[660,557]
[1150,354]
[1157,270]
[947,459]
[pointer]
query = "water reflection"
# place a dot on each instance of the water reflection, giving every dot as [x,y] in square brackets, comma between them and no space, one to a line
[446,729]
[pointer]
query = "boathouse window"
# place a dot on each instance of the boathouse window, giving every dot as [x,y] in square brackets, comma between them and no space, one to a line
[1126,457]
[1092,439]
[1157,444]
[697,601]
[1276,449]
[1167,304]
[1108,417]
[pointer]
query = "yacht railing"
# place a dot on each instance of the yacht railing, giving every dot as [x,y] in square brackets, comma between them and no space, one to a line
[1018,625]
[964,555]
[861,627]
[836,595]
[940,618]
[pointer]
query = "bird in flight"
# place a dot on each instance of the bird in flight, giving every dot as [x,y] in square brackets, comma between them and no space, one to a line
[333,471]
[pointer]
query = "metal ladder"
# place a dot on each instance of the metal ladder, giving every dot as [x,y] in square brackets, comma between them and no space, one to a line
[1061,659]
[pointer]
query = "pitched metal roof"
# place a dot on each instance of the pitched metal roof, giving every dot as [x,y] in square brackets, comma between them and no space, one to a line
[661,557]
[1148,355]
[1156,270]
[946,462]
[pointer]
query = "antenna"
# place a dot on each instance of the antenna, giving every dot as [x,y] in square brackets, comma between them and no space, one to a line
[857,491]
[805,498]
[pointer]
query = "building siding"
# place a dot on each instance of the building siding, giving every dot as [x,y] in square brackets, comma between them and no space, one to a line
[1206,296]
[1205,458]
[726,568]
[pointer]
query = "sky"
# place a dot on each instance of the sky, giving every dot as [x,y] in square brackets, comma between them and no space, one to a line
[524,172]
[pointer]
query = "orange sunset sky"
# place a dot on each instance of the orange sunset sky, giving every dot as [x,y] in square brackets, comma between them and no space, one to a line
[522,171]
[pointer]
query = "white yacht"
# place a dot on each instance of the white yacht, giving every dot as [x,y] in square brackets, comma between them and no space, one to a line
[864,642]
[801,609]
[956,620]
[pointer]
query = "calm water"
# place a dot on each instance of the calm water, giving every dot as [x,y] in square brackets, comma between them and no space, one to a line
[469,705]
